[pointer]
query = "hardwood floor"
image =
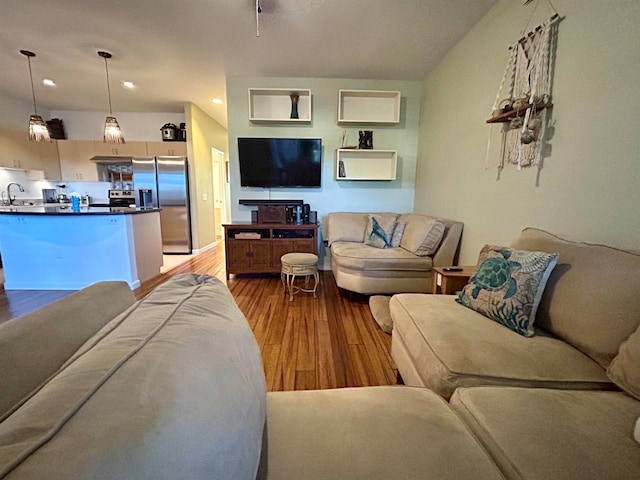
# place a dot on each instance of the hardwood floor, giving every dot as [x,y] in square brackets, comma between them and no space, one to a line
[328,342]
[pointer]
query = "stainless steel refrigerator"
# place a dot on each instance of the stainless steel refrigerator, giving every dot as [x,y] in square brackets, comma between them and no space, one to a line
[168,180]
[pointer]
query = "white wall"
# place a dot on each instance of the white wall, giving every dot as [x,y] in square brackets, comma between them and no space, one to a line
[15,114]
[333,195]
[136,126]
[589,186]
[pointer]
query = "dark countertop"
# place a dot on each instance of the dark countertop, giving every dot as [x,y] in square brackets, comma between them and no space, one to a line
[66,209]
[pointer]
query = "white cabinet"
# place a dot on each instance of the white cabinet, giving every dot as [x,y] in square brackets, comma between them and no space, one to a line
[368,106]
[171,149]
[275,105]
[355,164]
[75,163]
[138,149]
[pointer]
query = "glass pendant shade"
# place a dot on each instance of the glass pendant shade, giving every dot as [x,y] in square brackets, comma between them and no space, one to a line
[112,131]
[38,131]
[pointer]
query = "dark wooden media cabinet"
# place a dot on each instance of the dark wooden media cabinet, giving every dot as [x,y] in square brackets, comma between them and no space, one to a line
[257,247]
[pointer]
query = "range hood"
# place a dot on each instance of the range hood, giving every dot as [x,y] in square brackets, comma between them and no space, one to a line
[111,159]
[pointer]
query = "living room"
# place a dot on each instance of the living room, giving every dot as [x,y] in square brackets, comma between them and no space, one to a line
[585,188]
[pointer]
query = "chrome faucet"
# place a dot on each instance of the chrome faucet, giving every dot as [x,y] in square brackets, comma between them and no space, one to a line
[9,199]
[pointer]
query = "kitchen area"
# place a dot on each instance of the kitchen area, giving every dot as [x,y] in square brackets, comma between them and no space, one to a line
[115,213]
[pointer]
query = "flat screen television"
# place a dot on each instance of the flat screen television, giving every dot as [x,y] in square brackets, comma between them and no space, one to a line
[280,162]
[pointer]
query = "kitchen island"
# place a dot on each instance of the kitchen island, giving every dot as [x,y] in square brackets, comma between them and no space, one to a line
[56,247]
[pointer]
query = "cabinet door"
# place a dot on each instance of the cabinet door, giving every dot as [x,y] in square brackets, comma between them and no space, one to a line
[304,246]
[75,163]
[278,249]
[171,149]
[238,254]
[260,254]
[16,151]
[135,149]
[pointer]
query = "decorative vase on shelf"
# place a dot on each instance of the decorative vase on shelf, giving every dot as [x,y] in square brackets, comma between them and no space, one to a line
[294,105]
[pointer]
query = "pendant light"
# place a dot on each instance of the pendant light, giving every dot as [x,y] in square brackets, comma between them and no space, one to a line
[112,132]
[38,131]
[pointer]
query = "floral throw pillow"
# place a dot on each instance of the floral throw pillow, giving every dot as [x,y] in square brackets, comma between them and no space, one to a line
[379,231]
[508,285]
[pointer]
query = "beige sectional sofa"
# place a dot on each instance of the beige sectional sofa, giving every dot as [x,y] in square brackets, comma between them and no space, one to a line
[173,387]
[547,393]
[368,270]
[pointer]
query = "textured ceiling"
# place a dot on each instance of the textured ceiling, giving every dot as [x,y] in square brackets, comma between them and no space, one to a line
[182,50]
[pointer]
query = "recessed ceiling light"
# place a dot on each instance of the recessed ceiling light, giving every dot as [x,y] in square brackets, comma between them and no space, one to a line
[217,101]
[48,82]
[128,84]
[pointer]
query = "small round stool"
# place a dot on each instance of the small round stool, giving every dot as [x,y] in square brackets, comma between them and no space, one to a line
[299,264]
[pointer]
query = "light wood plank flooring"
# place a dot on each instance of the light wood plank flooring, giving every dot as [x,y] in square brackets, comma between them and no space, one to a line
[328,342]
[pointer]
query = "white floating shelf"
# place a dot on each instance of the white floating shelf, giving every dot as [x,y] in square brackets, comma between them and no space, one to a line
[368,106]
[274,105]
[356,164]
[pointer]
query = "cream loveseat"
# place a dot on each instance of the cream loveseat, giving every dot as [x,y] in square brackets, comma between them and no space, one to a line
[369,270]
[173,387]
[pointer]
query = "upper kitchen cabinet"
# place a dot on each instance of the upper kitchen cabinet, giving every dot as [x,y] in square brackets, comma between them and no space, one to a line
[16,151]
[75,163]
[365,107]
[129,149]
[164,149]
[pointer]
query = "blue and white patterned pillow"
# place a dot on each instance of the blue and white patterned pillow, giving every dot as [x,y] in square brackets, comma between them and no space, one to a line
[379,231]
[508,285]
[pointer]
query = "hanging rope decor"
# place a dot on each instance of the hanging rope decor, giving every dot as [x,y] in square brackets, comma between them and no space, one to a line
[524,109]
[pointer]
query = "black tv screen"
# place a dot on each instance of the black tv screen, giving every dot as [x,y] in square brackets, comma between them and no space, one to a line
[280,162]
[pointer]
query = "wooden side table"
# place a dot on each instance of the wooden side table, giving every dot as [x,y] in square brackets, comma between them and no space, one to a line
[449,282]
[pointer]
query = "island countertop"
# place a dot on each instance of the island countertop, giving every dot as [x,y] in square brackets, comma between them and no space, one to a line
[67,209]
[54,248]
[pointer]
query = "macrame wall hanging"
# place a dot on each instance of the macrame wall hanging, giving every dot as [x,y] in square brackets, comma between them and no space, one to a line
[523,102]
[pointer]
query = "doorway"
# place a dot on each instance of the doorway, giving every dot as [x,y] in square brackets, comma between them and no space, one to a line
[221,196]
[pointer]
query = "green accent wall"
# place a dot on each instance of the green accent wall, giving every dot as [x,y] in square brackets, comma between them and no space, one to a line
[203,133]
[588,187]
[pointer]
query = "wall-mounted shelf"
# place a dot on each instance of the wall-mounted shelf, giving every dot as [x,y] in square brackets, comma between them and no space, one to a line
[355,164]
[510,114]
[368,107]
[274,105]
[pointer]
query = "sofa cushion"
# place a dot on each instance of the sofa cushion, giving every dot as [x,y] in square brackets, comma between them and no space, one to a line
[591,298]
[172,388]
[453,346]
[349,226]
[35,345]
[554,434]
[398,232]
[379,231]
[363,257]
[423,234]
[368,433]
[507,286]
[625,367]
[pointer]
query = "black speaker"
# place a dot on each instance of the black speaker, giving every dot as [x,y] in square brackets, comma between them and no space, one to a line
[305,213]
[313,216]
[254,216]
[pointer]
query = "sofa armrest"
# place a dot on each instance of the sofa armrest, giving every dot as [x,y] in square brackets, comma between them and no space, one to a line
[35,345]
[448,249]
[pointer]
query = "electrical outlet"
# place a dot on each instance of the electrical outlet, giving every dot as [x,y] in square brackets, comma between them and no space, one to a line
[205,197]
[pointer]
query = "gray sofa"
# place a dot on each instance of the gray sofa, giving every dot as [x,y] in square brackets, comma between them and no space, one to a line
[368,270]
[172,387]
